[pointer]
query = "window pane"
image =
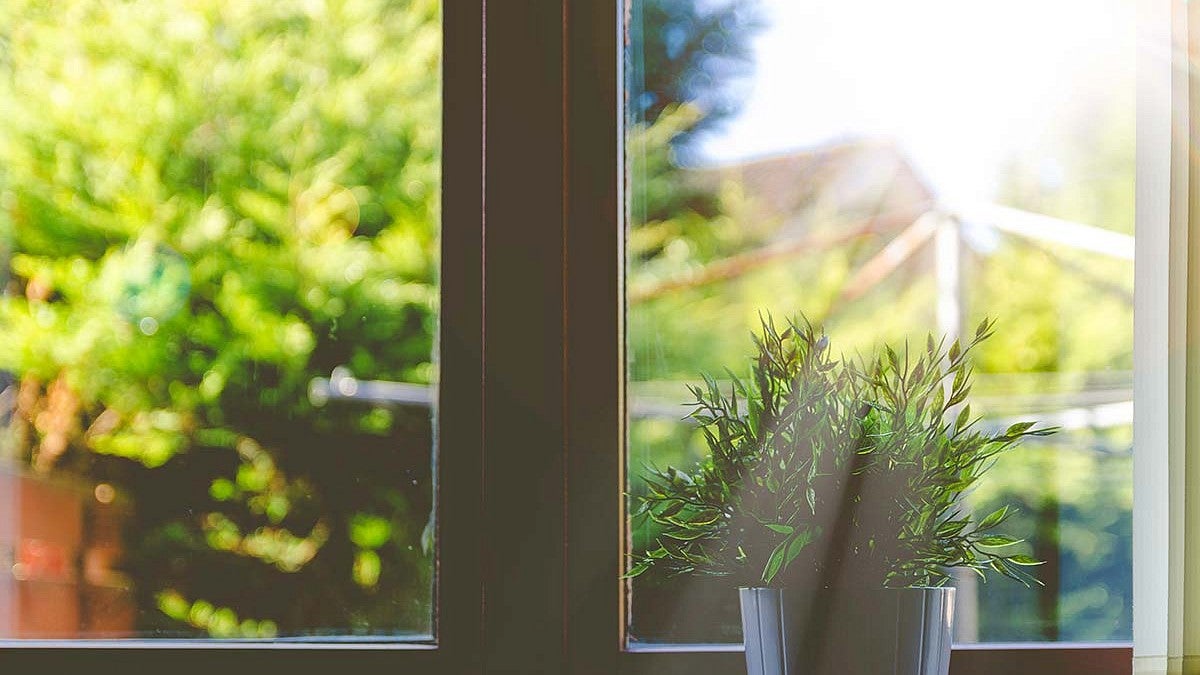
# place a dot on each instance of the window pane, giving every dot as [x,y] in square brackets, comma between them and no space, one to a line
[219,232]
[891,170]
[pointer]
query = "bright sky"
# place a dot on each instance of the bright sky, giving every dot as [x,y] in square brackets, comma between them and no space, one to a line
[960,84]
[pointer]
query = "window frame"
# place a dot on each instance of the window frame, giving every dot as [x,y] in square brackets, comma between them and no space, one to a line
[594,324]
[533,366]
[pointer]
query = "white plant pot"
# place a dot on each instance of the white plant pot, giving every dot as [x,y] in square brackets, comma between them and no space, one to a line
[847,631]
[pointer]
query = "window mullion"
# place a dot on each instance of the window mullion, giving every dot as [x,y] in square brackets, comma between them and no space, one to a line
[458,598]
[523,324]
[595,332]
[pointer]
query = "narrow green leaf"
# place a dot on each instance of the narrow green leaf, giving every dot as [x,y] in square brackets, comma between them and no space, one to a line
[982,330]
[636,570]
[774,563]
[1018,428]
[797,545]
[993,519]
[997,540]
[685,535]
[674,508]
[963,416]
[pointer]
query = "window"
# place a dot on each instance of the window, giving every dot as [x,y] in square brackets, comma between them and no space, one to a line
[221,320]
[533,391]
[229,335]
[588,379]
[832,159]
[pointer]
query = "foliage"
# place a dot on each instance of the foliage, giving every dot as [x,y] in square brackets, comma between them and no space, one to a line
[209,204]
[679,222]
[1073,502]
[693,58]
[835,471]
[691,53]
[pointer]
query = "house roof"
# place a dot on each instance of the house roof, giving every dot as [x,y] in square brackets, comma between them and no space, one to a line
[846,181]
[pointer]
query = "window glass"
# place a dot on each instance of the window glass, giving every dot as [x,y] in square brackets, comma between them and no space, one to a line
[893,170]
[219,236]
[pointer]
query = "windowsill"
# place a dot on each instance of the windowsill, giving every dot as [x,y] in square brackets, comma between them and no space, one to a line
[655,648]
[324,643]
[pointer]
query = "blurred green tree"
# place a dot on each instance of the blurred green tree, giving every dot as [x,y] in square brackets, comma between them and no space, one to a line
[209,204]
[696,53]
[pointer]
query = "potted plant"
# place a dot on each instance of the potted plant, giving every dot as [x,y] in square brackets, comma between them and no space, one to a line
[832,497]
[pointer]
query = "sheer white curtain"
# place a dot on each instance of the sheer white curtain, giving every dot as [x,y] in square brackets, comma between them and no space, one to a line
[1166,537]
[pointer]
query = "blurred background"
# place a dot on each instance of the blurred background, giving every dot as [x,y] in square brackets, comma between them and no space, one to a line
[892,170]
[218,226]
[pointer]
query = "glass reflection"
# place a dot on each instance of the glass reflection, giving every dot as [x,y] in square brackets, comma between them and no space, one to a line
[892,170]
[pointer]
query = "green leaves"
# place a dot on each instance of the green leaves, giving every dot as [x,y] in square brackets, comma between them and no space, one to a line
[1018,428]
[786,552]
[993,519]
[638,569]
[673,508]
[208,205]
[996,540]
[877,449]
